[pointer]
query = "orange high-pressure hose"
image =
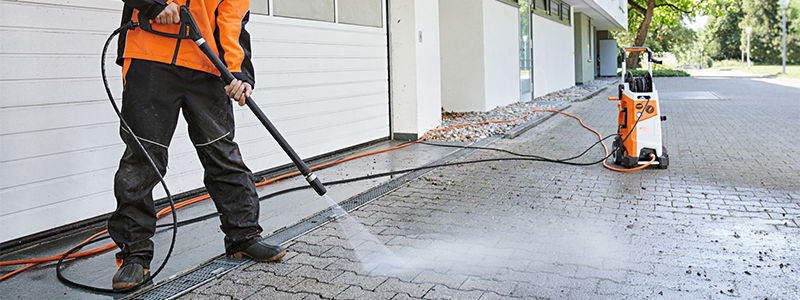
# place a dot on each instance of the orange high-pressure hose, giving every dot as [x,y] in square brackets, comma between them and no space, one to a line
[167,210]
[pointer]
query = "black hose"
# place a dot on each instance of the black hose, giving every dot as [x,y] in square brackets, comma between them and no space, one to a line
[522,154]
[522,157]
[61,276]
[175,223]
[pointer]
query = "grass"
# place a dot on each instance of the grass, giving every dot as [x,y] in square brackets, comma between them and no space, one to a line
[660,73]
[792,71]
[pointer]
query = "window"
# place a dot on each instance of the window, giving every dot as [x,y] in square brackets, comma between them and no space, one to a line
[554,7]
[260,7]
[321,10]
[556,10]
[540,6]
[361,12]
[353,12]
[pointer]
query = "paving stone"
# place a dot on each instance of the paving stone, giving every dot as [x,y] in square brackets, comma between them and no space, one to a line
[452,281]
[493,296]
[443,292]
[258,278]
[503,288]
[403,296]
[326,290]
[365,282]
[321,275]
[413,289]
[280,269]
[355,292]
[272,293]
[342,264]
[511,229]
[311,249]
[306,259]
[231,289]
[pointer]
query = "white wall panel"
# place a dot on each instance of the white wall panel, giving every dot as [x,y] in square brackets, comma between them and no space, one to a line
[553,56]
[324,85]
[501,52]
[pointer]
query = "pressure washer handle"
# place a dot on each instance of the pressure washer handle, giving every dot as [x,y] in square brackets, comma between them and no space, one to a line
[188,20]
[650,53]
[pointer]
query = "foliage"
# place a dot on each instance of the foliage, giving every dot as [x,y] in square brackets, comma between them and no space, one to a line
[766,39]
[723,36]
[659,73]
[661,37]
[666,15]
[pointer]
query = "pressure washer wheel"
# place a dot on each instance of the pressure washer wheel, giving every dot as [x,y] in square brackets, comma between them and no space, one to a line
[617,151]
[663,161]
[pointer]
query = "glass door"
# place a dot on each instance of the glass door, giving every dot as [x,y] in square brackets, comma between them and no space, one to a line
[525,51]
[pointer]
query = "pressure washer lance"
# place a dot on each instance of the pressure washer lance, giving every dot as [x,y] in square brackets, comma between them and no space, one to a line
[189,30]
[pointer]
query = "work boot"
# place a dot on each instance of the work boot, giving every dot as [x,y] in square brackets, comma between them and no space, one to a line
[129,275]
[260,251]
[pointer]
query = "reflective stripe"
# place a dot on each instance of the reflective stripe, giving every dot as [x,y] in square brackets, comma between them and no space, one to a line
[143,139]
[211,142]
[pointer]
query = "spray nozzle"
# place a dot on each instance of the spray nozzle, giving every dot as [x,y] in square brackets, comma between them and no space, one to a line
[316,184]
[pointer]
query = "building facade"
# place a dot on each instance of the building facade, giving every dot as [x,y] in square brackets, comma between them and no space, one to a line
[331,74]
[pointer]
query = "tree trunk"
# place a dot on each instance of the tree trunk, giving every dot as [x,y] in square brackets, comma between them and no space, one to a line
[641,33]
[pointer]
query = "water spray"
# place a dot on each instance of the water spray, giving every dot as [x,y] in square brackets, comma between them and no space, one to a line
[373,254]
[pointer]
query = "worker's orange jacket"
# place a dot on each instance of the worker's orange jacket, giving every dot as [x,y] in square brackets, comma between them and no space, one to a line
[222,23]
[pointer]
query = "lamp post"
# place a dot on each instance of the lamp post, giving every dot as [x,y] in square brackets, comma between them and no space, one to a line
[749,31]
[784,5]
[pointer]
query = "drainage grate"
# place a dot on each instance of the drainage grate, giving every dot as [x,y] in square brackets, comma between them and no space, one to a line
[178,285]
[183,283]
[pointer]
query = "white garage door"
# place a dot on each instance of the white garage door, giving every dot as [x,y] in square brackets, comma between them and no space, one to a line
[321,73]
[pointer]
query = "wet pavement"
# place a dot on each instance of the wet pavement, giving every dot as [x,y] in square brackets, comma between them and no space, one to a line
[197,243]
[721,222]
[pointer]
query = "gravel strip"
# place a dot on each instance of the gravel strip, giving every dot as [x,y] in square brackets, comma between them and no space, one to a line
[511,111]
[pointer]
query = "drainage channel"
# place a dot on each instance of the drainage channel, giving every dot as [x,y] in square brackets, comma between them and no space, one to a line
[182,283]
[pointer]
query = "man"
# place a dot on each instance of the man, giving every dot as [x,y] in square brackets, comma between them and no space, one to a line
[163,76]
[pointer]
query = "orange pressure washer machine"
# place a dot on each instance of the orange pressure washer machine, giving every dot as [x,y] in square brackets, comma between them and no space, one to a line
[639,131]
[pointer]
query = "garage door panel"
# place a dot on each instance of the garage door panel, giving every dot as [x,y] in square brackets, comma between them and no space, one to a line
[324,85]
[282,49]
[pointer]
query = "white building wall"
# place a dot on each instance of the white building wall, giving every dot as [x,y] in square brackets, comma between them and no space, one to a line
[429,87]
[480,54]
[324,85]
[553,56]
[501,53]
[404,74]
[416,88]
[461,28]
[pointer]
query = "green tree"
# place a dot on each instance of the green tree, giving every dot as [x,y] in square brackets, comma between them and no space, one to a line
[678,40]
[644,13]
[723,35]
[765,42]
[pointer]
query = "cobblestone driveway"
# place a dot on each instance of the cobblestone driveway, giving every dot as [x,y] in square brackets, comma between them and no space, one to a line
[721,222]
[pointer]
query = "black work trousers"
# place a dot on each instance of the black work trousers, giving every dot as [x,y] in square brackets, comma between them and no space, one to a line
[154,93]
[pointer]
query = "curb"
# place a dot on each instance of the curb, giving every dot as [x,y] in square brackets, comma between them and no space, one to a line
[517,131]
[593,93]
